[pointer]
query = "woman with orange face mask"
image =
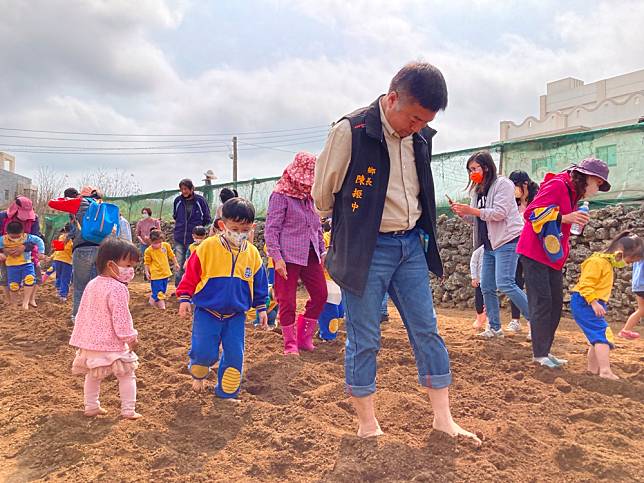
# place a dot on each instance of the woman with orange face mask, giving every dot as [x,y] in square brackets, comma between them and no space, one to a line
[497,224]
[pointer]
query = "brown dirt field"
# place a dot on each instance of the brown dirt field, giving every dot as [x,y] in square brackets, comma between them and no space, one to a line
[294,421]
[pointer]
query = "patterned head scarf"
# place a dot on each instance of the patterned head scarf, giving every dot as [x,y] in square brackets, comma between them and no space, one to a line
[297,179]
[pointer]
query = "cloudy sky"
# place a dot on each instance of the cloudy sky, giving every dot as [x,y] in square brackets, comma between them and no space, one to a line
[190,74]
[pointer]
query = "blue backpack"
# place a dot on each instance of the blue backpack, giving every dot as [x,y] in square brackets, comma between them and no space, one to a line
[99,221]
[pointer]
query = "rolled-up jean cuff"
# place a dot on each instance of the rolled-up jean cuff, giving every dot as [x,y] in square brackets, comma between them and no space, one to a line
[436,381]
[361,391]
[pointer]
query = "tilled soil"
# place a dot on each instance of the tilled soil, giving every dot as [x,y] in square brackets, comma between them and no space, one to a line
[294,422]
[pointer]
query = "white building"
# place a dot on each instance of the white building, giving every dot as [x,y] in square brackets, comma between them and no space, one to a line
[569,106]
[11,183]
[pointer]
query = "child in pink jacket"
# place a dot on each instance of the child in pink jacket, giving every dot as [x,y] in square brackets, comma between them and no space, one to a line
[103,331]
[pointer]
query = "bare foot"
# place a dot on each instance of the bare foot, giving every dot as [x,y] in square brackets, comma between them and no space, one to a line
[609,375]
[152,302]
[25,306]
[132,415]
[99,411]
[33,303]
[231,400]
[370,431]
[455,430]
[593,370]
[198,385]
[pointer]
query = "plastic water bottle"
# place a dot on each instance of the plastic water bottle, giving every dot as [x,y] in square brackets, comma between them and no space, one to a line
[576,228]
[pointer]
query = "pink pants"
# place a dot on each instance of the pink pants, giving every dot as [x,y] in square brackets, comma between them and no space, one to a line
[127,391]
[286,290]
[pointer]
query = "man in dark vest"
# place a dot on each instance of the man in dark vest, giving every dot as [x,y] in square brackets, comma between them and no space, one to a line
[374,177]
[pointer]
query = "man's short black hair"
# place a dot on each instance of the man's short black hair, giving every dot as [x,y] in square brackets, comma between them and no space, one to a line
[199,231]
[71,193]
[115,249]
[14,228]
[423,83]
[238,209]
[187,183]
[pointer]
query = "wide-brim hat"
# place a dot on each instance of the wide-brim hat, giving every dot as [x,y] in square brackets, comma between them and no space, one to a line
[22,208]
[594,167]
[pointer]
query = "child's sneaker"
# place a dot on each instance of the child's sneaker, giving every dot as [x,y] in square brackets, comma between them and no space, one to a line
[490,333]
[628,334]
[546,362]
[514,326]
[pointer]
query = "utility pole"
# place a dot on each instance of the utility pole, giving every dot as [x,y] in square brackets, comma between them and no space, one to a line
[235,162]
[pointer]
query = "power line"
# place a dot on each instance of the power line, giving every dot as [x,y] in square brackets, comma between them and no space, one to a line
[164,135]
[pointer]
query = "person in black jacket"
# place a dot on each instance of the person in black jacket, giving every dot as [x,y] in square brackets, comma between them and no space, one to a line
[374,177]
[190,210]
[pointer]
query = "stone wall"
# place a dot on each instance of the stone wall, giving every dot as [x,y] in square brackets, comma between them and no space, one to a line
[455,240]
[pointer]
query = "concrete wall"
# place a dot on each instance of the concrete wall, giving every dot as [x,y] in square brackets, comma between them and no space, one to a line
[12,185]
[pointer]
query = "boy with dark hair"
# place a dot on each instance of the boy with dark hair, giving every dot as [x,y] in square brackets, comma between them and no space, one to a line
[20,268]
[224,278]
[156,260]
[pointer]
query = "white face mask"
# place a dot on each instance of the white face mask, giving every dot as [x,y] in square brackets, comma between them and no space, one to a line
[236,238]
[125,274]
[145,215]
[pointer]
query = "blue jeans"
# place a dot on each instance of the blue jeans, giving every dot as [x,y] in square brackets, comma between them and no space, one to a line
[384,309]
[143,247]
[84,268]
[398,265]
[180,251]
[499,272]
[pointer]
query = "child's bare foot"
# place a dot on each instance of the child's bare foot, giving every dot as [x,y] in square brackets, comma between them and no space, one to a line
[609,375]
[161,304]
[33,303]
[454,430]
[198,385]
[132,415]
[370,431]
[25,306]
[99,411]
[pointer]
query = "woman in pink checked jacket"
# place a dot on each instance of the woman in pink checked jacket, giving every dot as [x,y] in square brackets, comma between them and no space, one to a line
[293,235]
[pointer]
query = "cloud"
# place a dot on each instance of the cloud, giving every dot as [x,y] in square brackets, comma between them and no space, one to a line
[101,68]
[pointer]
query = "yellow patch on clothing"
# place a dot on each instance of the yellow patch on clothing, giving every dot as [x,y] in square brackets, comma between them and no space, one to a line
[161,296]
[231,380]
[14,286]
[199,372]
[334,325]
[29,280]
[551,242]
[609,335]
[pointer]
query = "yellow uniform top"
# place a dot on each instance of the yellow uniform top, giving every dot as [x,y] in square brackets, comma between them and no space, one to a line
[596,278]
[66,254]
[158,261]
[326,236]
[24,257]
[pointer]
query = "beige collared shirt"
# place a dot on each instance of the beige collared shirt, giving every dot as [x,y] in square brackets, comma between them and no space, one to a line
[402,205]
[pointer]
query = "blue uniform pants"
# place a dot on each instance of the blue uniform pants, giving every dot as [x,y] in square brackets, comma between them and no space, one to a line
[159,288]
[63,277]
[329,320]
[208,333]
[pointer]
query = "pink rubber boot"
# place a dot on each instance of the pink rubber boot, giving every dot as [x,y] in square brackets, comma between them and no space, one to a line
[290,340]
[305,331]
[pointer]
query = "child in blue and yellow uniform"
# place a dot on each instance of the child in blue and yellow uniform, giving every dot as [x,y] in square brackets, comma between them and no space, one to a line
[272,307]
[20,268]
[62,258]
[225,277]
[157,258]
[333,311]
[591,294]
[199,234]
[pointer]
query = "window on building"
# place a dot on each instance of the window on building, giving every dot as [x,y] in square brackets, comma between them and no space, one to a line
[6,195]
[543,165]
[608,154]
